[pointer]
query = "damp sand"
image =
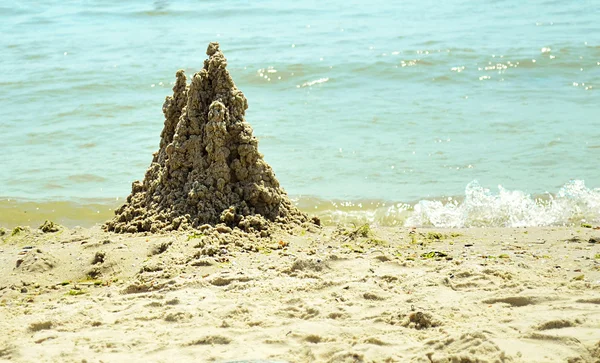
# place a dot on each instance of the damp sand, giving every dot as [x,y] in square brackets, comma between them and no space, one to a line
[324,295]
[208,170]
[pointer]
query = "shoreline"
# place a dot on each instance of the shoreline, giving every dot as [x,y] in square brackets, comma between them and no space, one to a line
[329,294]
[435,213]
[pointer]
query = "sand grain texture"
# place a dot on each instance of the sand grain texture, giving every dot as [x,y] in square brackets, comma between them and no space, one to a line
[331,295]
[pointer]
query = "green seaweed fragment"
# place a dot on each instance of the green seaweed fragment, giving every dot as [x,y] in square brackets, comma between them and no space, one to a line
[413,239]
[49,227]
[17,230]
[434,254]
[377,242]
[357,249]
[74,292]
[195,235]
[362,231]
[435,236]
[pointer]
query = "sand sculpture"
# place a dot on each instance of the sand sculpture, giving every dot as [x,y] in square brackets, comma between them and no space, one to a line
[208,169]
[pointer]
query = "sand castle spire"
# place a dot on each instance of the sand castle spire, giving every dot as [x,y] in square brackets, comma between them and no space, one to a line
[208,169]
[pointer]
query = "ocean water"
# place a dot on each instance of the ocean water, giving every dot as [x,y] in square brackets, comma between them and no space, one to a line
[454,113]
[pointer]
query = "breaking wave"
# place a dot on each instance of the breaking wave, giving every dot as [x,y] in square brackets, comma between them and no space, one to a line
[573,204]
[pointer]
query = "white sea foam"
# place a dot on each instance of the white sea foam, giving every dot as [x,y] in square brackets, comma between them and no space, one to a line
[573,203]
[316,81]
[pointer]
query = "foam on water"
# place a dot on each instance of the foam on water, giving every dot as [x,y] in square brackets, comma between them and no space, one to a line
[572,204]
[481,207]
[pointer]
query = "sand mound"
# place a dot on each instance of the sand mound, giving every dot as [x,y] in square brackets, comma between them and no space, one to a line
[36,261]
[208,169]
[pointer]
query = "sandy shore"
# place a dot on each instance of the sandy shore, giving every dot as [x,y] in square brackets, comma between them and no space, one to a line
[326,295]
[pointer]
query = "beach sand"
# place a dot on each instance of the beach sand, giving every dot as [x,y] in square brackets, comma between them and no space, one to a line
[326,294]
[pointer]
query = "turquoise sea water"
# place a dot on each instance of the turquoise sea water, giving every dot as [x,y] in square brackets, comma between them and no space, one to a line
[394,112]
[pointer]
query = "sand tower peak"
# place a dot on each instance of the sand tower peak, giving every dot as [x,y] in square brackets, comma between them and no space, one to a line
[208,169]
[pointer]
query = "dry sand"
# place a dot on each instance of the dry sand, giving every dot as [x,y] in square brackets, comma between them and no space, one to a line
[324,295]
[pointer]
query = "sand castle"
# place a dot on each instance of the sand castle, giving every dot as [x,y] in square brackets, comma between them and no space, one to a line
[208,169]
